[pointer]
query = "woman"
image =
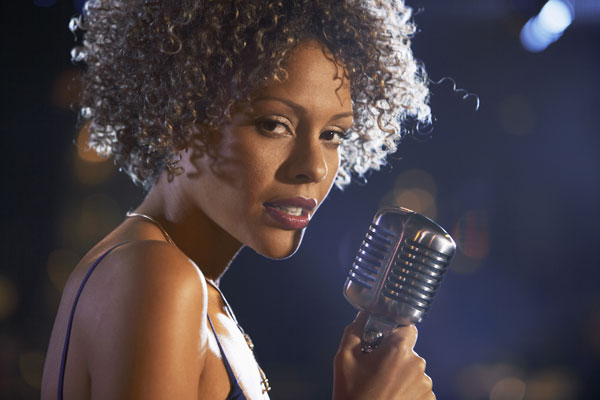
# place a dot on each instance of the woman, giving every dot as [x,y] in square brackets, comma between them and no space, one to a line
[237,117]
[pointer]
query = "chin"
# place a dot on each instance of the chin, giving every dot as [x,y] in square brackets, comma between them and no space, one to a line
[279,247]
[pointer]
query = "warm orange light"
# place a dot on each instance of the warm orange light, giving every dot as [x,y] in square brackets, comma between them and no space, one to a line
[83,150]
[418,200]
[508,388]
[66,89]
[414,189]
[553,383]
[477,381]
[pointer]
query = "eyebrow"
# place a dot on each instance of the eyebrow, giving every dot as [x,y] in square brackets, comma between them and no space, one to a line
[298,107]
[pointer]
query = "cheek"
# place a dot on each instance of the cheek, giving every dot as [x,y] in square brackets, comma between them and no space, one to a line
[255,169]
[333,160]
[241,180]
[244,163]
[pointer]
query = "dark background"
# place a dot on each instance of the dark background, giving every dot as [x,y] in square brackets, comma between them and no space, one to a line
[516,183]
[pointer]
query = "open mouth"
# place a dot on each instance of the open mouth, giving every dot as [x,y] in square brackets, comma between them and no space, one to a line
[295,211]
[291,213]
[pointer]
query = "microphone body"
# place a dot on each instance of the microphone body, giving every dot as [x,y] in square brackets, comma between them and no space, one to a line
[397,271]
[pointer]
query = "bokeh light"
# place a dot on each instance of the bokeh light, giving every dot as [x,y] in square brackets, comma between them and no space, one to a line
[556,16]
[83,150]
[508,389]
[418,200]
[515,313]
[90,168]
[31,366]
[8,297]
[472,236]
[504,381]
[540,31]
[65,90]
[516,115]
[552,384]
[416,190]
[479,380]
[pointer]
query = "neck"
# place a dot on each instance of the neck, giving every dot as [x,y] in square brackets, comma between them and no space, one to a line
[194,233]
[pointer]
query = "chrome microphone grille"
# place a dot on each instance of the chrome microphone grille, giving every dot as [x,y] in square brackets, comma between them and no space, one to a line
[415,275]
[397,271]
[371,256]
[399,266]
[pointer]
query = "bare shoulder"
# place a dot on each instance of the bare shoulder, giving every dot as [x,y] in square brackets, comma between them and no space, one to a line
[152,262]
[154,275]
[145,320]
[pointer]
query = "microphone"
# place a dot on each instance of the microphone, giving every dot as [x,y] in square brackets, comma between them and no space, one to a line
[397,271]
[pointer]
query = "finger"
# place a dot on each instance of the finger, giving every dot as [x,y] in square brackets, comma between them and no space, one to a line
[358,324]
[353,332]
[405,336]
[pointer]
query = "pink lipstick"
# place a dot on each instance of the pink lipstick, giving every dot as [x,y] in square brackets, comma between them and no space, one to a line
[292,213]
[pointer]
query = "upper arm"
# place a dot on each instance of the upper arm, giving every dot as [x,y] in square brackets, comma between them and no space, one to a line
[147,337]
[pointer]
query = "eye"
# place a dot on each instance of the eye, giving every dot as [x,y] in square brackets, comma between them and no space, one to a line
[333,136]
[276,126]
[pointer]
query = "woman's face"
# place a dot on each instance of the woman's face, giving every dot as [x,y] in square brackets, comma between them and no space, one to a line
[275,163]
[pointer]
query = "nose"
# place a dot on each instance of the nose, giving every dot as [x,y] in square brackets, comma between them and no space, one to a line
[307,162]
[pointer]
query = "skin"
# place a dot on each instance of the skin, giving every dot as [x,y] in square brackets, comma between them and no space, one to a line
[284,146]
[141,331]
[392,371]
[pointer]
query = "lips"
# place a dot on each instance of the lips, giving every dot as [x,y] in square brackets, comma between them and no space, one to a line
[292,213]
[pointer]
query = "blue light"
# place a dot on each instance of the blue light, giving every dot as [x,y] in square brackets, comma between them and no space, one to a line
[547,26]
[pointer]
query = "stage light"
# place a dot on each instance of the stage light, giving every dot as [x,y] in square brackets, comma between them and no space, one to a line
[546,27]
[414,189]
[508,388]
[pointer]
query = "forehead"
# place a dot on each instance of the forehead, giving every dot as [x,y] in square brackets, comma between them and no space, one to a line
[313,79]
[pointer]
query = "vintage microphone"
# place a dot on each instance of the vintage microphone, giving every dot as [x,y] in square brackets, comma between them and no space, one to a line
[397,271]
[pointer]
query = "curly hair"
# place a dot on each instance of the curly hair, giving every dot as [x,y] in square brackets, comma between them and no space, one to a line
[155,68]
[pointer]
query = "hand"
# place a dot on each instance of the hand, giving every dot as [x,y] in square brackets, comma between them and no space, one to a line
[391,371]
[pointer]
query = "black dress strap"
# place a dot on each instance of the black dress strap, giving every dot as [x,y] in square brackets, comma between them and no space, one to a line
[63,360]
[236,392]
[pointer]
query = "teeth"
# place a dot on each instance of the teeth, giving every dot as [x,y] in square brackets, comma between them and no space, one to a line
[297,211]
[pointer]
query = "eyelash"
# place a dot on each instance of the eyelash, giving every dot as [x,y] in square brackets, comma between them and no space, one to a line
[340,134]
[260,125]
